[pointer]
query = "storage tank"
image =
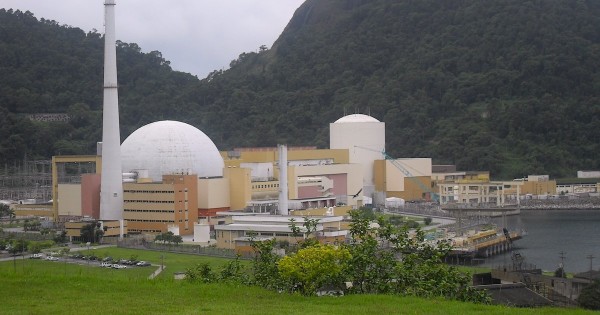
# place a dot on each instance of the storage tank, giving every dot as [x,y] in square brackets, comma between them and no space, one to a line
[364,137]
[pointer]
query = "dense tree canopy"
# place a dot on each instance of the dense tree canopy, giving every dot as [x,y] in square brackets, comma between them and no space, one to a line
[509,86]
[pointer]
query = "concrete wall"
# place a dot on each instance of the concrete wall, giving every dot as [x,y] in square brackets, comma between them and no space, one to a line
[69,199]
[213,193]
[417,167]
[90,195]
[336,172]
[240,187]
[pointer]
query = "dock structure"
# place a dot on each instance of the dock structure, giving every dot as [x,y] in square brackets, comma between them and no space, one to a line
[484,244]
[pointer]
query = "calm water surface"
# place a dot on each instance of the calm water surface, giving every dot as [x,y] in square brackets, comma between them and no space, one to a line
[576,233]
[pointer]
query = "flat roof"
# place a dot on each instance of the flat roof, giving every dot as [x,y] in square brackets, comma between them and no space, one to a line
[259,227]
[284,218]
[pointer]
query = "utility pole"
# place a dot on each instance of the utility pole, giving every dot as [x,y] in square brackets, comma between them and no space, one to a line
[591,258]
[562,262]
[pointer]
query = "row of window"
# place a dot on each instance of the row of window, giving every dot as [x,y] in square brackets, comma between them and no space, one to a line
[265,186]
[247,233]
[144,230]
[150,201]
[156,221]
[151,191]
[153,211]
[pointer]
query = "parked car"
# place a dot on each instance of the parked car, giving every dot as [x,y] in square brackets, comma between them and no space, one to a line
[37,256]
[52,258]
[107,259]
[143,263]
[106,264]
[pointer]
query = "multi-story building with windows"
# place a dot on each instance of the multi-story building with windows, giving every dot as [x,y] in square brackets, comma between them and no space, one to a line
[158,207]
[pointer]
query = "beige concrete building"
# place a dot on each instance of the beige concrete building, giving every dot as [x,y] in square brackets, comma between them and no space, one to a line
[236,234]
[111,229]
[538,185]
[409,179]
[154,207]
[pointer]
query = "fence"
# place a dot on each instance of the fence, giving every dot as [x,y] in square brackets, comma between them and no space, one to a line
[181,248]
[25,236]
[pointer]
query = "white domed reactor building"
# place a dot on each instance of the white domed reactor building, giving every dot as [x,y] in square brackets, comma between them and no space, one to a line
[364,137]
[171,147]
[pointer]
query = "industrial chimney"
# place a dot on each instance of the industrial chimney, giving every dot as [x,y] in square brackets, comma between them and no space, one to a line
[111,185]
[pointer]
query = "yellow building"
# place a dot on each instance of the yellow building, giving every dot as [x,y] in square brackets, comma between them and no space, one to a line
[316,178]
[409,179]
[111,228]
[538,185]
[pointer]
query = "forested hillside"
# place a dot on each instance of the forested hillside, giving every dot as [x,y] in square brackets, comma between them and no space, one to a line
[509,86]
[49,68]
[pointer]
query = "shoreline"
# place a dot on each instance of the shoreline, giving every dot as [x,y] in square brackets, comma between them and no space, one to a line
[561,204]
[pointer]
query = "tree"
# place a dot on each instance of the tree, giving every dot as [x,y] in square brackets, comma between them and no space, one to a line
[308,229]
[60,237]
[314,267]
[560,272]
[177,239]
[18,246]
[264,264]
[590,296]
[91,232]
[427,220]
[386,259]
[6,211]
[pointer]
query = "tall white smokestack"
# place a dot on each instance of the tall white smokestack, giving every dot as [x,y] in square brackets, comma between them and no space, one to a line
[283,180]
[111,185]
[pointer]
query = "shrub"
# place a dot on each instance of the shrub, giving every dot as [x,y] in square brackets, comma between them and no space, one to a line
[314,267]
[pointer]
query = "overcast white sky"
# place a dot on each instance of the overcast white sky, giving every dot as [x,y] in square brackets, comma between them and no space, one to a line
[197,36]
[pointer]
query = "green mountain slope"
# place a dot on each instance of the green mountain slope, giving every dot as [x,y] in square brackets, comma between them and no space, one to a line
[507,86]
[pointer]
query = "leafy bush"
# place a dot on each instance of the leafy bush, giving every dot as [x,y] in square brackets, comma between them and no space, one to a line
[590,296]
[314,267]
[378,259]
[232,272]
[411,224]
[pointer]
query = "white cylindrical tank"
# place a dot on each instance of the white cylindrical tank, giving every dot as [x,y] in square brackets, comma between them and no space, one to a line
[364,137]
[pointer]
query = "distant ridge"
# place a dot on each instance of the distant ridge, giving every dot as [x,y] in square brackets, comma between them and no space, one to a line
[507,86]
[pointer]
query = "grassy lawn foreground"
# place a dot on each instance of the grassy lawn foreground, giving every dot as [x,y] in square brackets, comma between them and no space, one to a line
[57,288]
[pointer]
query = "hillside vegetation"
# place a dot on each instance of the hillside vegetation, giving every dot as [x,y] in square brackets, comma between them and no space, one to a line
[508,86]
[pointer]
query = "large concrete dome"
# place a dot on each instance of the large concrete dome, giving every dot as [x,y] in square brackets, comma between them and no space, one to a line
[356,118]
[171,147]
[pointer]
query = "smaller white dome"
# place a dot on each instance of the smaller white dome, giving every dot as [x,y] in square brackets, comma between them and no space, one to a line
[356,118]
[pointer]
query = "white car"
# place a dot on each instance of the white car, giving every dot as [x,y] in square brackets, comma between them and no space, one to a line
[37,256]
[52,258]
[117,266]
[106,264]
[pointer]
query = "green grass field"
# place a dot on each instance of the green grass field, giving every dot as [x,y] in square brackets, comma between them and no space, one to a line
[45,287]
[173,262]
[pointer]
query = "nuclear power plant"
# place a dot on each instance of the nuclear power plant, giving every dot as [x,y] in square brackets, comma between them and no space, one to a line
[170,176]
